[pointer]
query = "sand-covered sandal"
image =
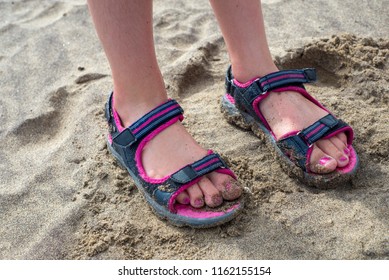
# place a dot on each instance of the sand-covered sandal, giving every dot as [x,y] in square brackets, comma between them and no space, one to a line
[126,145]
[240,106]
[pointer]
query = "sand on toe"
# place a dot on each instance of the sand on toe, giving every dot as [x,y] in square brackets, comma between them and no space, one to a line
[62,196]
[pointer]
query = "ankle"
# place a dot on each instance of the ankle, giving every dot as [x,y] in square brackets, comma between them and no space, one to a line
[130,109]
[246,72]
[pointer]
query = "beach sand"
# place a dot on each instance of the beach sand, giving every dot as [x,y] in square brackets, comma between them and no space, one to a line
[62,196]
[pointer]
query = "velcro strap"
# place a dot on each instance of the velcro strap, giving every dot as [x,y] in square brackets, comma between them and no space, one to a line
[286,77]
[317,130]
[149,122]
[271,81]
[199,168]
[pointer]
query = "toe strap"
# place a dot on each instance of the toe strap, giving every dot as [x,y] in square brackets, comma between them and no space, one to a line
[206,165]
[323,127]
[299,146]
[166,194]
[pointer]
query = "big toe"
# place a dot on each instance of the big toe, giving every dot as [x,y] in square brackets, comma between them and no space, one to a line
[336,148]
[229,188]
[321,162]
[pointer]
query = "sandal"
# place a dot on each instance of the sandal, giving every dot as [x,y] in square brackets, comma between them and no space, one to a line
[126,145]
[240,106]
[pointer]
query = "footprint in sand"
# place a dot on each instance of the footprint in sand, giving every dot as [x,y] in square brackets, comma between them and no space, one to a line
[45,126]
[51,123]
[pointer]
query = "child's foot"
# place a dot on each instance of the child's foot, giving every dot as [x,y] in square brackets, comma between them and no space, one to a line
[290,111]
[177,145]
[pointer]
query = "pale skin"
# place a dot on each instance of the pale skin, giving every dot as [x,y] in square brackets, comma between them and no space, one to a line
[126,33]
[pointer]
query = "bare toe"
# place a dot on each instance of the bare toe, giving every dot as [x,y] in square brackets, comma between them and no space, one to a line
[340,145]
[211,194]
[342,137]
[329,148]
[183,198]
[196,196]
[321,163]
[229,188]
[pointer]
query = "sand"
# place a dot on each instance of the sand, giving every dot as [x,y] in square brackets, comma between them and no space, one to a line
[63,197]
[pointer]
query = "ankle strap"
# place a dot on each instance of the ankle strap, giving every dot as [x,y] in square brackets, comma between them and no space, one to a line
[146,124]
[272,81]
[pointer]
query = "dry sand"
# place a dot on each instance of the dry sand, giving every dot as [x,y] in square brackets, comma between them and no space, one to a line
[63,197]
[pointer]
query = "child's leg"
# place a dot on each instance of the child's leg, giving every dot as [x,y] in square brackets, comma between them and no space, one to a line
[242,25]
[125,29]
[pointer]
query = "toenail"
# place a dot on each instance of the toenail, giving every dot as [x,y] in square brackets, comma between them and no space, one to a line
[347,151]
[324,160]
[199,202]
[343,158]
[186,201]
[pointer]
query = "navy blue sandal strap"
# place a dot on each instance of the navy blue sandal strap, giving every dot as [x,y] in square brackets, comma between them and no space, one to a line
[155,118]
[197,169]
[185,175]
[286,77]
[145,125]
[270,82]
[320,128]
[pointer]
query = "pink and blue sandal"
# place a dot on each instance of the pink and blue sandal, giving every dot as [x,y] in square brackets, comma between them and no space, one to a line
[126,145]
[240,106]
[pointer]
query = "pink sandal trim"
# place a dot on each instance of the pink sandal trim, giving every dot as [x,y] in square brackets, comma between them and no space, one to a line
[189,211]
